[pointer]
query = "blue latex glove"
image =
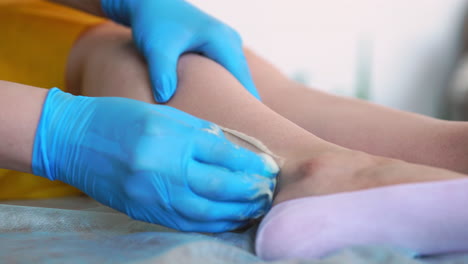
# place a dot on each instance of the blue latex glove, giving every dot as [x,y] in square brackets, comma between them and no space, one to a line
[165,29]
[152,162]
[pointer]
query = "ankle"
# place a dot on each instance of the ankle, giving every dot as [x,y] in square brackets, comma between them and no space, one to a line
[452,150]
[330,172]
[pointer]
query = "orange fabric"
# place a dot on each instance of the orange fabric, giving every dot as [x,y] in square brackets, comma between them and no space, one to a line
[36,38]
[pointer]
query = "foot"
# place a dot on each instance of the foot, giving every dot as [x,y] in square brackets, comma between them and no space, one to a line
[345,171]
[414,217]
[420,219]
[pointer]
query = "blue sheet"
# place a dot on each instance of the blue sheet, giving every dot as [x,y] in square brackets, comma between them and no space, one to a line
[81,231]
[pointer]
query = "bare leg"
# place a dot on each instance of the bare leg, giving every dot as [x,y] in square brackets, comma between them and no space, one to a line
[364,126]
[104,63]
[360,125]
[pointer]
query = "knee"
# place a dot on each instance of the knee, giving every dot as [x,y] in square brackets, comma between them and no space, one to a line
[108,50]
[105,52]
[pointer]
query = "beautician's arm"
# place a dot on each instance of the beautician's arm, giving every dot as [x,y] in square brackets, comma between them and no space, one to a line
[20,110]
[152,162]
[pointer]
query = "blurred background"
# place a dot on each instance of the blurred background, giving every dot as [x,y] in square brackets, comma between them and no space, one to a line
[403,54]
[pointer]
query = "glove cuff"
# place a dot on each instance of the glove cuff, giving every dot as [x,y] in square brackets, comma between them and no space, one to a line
[62,124]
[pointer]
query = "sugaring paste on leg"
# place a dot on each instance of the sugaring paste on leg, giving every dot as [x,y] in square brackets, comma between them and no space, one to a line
[256,146]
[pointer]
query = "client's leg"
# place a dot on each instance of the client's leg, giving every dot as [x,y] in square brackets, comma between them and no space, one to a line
[104,63]
[364,126]
[359,125]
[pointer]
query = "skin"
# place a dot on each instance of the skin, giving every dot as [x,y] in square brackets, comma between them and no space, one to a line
[105,63]
[18,127]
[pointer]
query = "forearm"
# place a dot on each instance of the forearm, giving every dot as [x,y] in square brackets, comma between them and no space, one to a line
[89,6]
[20,111]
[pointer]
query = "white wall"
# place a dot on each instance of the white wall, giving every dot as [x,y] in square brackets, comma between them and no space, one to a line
[402,50]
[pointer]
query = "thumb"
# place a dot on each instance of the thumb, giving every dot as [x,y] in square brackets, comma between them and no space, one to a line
[163,74]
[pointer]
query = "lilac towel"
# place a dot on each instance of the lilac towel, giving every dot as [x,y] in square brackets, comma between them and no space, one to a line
[427,218]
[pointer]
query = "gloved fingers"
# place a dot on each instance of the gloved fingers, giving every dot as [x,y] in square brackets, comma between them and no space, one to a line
[219,151]
[162,66]
[199,209]
[203,126]
[218,184]
[232,58]
[188,119]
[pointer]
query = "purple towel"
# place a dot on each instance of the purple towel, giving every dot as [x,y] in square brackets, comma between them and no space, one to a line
[427,218]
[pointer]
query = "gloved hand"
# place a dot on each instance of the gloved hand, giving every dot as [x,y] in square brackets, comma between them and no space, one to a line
[164,29]
[152,162]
